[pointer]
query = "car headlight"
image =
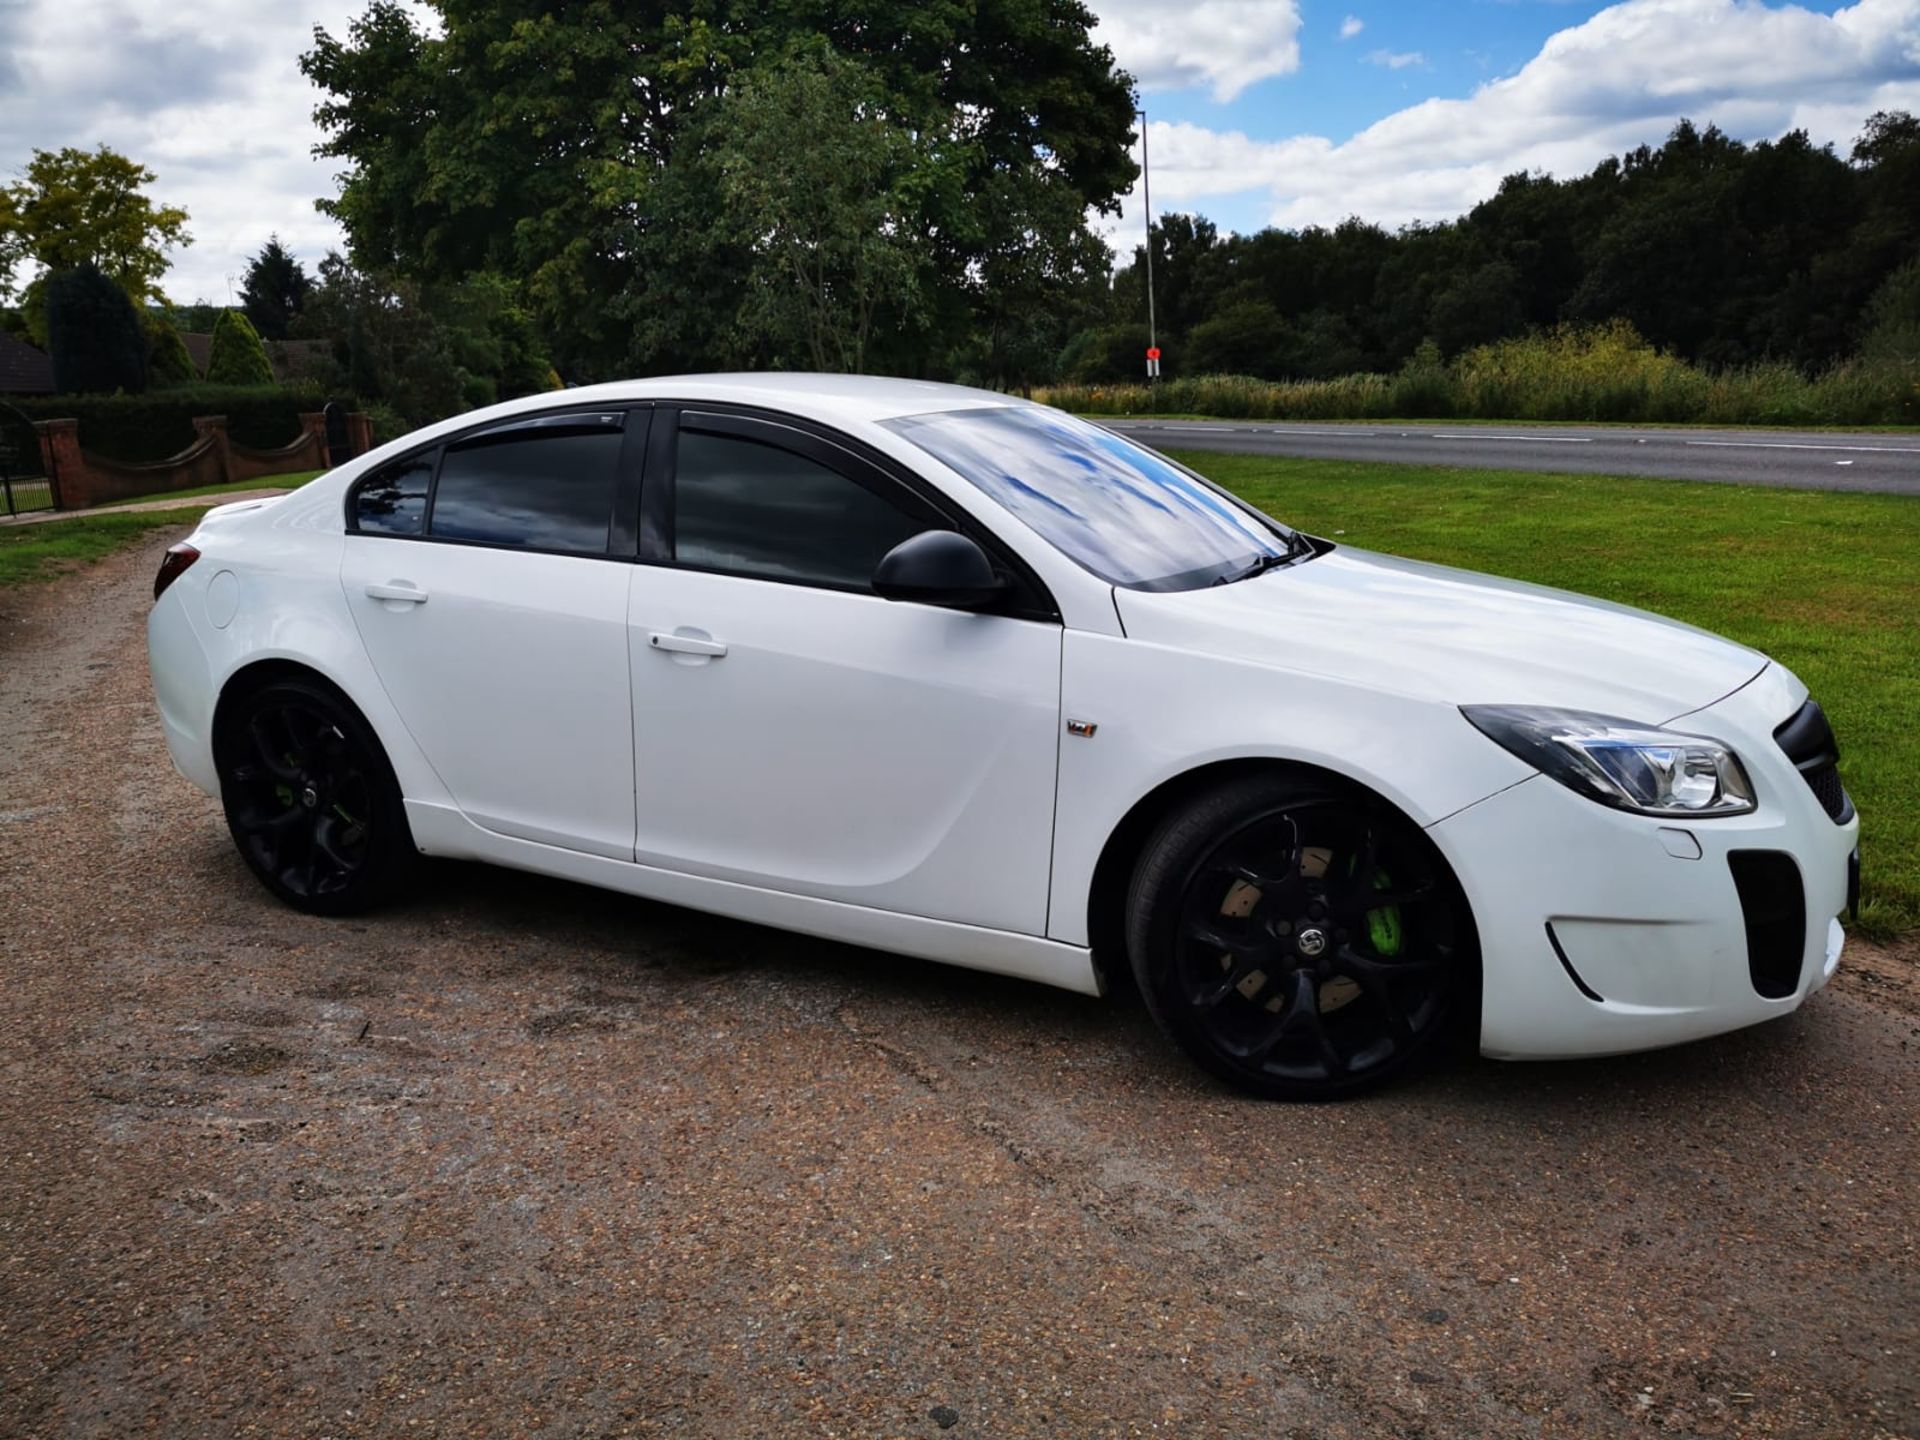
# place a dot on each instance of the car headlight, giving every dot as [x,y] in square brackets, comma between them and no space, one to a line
[1630,767]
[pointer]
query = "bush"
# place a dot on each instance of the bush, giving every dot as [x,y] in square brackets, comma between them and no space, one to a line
[1111,353]
[168,361]
[1604,373]
[388,423]
[238,357]
[1425,389]
[157,425]
[94,334]
[1249,339]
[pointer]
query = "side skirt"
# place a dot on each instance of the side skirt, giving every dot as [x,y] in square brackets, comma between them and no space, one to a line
[442,830]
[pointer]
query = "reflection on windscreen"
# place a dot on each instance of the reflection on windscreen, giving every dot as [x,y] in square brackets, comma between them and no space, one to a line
[1130,517]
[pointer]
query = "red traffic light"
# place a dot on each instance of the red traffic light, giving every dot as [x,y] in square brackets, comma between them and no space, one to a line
[1153,352]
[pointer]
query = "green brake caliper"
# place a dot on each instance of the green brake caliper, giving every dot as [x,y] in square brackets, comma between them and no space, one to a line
[1383,925]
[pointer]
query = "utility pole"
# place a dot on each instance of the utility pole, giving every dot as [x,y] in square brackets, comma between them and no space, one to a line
[1146,199]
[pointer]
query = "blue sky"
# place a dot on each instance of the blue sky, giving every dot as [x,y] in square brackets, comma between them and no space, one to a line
[1300,112]
[1262,111]
[1402,53]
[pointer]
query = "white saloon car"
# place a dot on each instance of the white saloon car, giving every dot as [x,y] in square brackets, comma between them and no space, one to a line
[947,674]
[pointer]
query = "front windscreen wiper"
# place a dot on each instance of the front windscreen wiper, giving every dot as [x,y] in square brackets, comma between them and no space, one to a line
[1262,564]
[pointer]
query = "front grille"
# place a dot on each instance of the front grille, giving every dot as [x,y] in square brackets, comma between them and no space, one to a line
[1773,905]
[1808,741]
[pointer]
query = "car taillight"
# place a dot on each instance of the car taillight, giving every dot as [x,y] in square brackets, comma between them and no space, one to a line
[172,566]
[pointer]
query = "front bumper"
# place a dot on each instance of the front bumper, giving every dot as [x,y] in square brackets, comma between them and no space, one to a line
[1603,932]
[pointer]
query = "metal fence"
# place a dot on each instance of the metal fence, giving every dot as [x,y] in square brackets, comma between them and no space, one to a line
[24,482]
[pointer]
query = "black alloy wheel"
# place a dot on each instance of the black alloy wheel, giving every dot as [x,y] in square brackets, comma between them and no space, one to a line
[1297,939]
[310,799]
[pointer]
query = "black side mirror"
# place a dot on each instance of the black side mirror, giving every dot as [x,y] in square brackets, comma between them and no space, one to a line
[939,567]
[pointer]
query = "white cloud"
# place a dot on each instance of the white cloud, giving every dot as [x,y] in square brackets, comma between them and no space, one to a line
[1351,26]
[1620,79]
[208,96]
[1396,59]
[1224,45]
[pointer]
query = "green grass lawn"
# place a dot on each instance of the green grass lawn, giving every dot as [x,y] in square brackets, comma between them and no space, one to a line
[1826,583]
[41,552]
[239,487]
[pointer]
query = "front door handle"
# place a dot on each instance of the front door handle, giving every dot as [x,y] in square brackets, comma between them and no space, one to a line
[687,644]
[406,594]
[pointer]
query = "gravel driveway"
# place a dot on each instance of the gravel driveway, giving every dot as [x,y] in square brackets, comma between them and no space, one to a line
[524,1159]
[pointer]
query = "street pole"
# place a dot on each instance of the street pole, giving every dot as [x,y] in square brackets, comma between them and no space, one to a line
[1146,199]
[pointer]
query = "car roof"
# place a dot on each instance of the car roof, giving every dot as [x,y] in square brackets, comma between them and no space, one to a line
[842,397]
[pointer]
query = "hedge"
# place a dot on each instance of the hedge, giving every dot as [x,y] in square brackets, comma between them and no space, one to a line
[159,424]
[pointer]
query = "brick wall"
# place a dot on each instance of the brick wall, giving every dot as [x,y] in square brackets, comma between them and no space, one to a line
[83,479]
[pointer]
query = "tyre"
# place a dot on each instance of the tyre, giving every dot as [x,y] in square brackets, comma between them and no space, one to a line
[310,799]
[1299,939]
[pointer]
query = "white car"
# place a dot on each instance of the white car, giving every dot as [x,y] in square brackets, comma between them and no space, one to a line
[948,674]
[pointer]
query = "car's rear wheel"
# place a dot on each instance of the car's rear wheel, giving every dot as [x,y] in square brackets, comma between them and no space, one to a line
[310,799]
[1298,938]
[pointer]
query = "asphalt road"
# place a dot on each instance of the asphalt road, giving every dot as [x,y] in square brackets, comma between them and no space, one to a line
[518,1158]
[1813,460]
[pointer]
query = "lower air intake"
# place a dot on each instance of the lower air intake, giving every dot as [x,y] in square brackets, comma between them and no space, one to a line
[1773,903]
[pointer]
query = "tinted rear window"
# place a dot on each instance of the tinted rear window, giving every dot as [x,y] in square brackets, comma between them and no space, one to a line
[393,500]
[1130,516]
[543,491]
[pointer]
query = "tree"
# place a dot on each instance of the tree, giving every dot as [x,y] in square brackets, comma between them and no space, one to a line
[13,241]
[425,352]
[238,357]
[828,225]
[1187,274]
[168,360]
[94,333]
[1041,275]
[274,290]
[1247,339]
[1893,318]
[85,207]
[1108,353]
[544,144]
[1480,306]
[195,319]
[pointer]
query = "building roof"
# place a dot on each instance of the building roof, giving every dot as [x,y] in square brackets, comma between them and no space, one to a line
[199,347]
[23,369]
[297,360]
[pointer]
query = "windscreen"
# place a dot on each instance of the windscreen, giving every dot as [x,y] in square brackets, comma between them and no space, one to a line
[1123,512]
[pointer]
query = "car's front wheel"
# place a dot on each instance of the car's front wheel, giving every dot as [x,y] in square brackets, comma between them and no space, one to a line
[310,799]
[1298,938]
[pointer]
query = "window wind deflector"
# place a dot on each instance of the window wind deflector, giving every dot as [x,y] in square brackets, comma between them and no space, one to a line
[532,425]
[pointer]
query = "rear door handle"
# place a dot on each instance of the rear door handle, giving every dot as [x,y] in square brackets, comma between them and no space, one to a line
[686,644]
[407,594]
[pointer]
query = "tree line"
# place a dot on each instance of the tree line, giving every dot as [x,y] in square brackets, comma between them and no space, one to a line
[1722,253]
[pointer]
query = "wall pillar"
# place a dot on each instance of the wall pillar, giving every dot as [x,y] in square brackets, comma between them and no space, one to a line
[214,427]
[313,430]
[360,428]
[60,454]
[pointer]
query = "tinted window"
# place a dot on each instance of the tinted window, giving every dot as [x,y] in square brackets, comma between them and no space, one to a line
[550,490]
[760,510]
[393,500]
[1126,514]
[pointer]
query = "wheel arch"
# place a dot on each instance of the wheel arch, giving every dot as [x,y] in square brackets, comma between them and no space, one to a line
[1113,871]
[269,670]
